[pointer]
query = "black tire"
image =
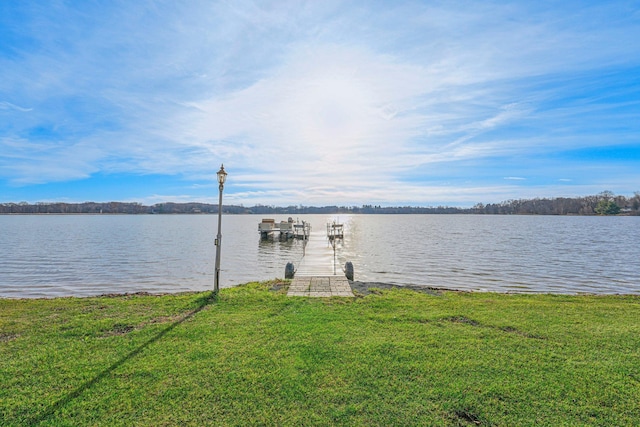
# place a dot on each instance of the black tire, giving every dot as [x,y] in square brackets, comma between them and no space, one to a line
[289,271]
[348,270]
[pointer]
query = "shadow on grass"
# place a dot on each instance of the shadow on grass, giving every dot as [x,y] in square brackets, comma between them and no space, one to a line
[202,302]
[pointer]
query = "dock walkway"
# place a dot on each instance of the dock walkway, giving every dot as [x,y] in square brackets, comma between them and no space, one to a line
[316,276]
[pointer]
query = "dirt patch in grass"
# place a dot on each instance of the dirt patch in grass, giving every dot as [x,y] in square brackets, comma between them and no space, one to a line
[462,319]
[508,329]
[512,330]
[279,286]
[118,329]
[468,418]
[5,337]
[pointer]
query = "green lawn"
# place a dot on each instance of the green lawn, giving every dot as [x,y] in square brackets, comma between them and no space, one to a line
[257,357]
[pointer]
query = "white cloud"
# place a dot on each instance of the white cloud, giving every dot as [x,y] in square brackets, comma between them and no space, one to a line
[326,112]
[29,162]
[313,102]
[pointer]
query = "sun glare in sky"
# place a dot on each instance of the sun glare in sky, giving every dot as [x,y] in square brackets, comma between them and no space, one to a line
[318,103]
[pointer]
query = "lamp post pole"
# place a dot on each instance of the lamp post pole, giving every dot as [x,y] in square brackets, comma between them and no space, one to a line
[222,176]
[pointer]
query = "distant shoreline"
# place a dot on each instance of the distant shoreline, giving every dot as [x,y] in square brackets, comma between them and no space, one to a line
[605,203]
[631,213]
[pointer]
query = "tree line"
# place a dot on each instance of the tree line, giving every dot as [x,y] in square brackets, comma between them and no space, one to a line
[605,203]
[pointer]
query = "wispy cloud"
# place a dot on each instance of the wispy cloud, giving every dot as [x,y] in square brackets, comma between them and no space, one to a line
[321,102]
[9,106]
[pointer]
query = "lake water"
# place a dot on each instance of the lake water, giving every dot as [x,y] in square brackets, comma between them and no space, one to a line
[62,255]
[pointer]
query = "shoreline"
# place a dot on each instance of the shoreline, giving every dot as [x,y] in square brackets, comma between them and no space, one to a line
[365,288]
[359,288]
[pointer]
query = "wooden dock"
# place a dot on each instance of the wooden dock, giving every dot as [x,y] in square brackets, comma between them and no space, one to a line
[317,275]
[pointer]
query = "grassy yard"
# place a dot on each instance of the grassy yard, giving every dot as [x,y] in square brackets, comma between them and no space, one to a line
[256,357]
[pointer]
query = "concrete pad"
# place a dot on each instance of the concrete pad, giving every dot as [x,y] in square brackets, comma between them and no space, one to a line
[320,287]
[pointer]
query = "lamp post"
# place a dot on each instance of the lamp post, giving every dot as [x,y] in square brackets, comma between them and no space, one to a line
[222,176]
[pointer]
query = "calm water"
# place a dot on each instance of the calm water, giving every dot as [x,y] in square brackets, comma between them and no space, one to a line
[62,255]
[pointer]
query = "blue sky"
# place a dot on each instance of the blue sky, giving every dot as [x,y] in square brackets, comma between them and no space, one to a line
[320,102]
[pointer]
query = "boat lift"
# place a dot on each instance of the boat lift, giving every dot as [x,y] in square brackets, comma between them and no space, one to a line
[286,229]
[335,231]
